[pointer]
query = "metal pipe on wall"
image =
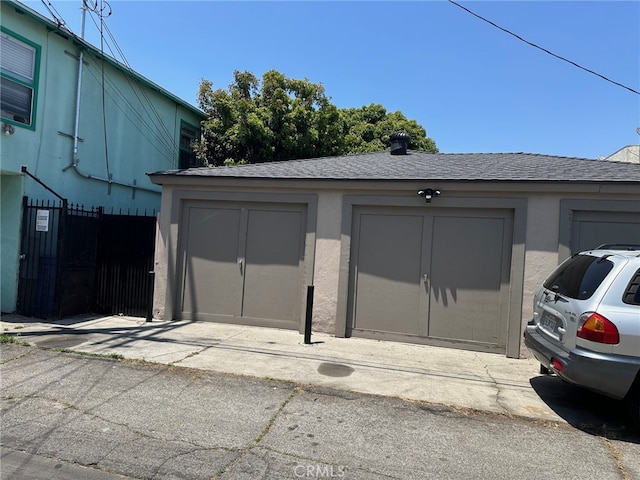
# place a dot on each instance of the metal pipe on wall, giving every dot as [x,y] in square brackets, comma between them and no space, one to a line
[76,130]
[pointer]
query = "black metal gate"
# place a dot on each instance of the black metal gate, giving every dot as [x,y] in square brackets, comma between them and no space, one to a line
[39,252]
[124,264]
[76,260]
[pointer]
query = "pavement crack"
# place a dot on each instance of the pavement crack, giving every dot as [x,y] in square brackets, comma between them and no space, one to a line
[192,354]
[178,455]
[31,349]
[496,385]
[617,457]
[294,392]
[246,451]
[139,433]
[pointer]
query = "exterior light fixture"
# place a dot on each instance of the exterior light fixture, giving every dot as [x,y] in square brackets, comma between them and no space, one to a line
[7,129]
[428,194]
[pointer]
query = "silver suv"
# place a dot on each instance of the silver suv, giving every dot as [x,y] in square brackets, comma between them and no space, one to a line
[586,323]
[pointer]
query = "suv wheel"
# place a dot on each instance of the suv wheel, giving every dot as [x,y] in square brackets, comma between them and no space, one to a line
[633,404]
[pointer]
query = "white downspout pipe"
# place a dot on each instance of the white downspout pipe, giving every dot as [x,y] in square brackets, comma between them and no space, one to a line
[79,91]
[76,129]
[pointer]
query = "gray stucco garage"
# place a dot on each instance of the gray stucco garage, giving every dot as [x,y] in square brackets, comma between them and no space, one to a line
[241,244]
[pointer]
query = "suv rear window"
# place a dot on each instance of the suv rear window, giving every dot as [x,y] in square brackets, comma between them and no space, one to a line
[579,276]
[632,293]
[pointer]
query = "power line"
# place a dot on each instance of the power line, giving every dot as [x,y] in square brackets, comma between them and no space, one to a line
[142,91]
[159,122]
[544,49]
[136,118]
[124,61]
[98,9]
[101,9]
[54,13]
[104,110]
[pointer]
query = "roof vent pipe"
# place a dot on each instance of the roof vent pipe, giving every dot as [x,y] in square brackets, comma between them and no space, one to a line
[399,143]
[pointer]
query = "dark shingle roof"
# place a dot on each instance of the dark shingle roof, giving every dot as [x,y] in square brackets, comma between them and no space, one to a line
[483,167]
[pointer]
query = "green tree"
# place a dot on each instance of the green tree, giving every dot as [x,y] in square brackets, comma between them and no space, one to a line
[280,118]
[368,128]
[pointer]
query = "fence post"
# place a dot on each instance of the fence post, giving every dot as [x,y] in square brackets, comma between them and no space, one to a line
[61,242]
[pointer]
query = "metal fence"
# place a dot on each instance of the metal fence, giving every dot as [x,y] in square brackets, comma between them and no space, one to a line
[78,260]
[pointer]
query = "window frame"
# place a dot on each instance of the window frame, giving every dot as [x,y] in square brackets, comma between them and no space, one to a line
[631,295]
[33,85]
[184,124]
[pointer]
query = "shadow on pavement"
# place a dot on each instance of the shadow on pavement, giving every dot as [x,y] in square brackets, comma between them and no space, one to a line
[585,410]
[19,319]
[63,333]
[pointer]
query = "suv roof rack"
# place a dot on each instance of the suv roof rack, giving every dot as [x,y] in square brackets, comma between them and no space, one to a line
[619,246]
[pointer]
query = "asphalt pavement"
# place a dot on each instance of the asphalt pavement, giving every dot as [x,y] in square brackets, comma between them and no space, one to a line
[125,398]
[442,376]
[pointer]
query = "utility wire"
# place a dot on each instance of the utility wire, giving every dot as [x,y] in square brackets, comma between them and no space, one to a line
[54,13]
[173,149]
[544,49]
[134,116]
[104,110]
[99,7]
[141,117]
[144,94]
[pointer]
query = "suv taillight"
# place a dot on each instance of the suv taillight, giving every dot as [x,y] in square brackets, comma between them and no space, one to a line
[597,328]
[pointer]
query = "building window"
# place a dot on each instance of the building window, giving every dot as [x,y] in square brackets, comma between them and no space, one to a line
[188,137]
[18,68]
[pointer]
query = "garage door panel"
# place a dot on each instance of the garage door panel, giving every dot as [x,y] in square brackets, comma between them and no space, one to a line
[273,277]
[212,277]
[436,276]
[243,263]
[592,229]
[388,273]
[466,271]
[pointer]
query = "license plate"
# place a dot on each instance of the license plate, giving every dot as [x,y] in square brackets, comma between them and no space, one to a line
[549,322]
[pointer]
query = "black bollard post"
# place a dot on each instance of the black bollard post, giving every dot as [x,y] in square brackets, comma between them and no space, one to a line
[150,303]
[307,321]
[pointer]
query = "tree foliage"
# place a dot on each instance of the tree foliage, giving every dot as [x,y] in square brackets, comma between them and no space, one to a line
[280,118]
[368,128]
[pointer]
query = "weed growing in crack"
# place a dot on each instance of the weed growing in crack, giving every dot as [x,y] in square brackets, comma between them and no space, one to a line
[115,356]
[9,338]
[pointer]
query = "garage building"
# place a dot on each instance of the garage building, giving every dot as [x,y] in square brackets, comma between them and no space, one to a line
[439,249]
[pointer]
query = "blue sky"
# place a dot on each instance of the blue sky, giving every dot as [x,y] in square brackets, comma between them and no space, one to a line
[472,86]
